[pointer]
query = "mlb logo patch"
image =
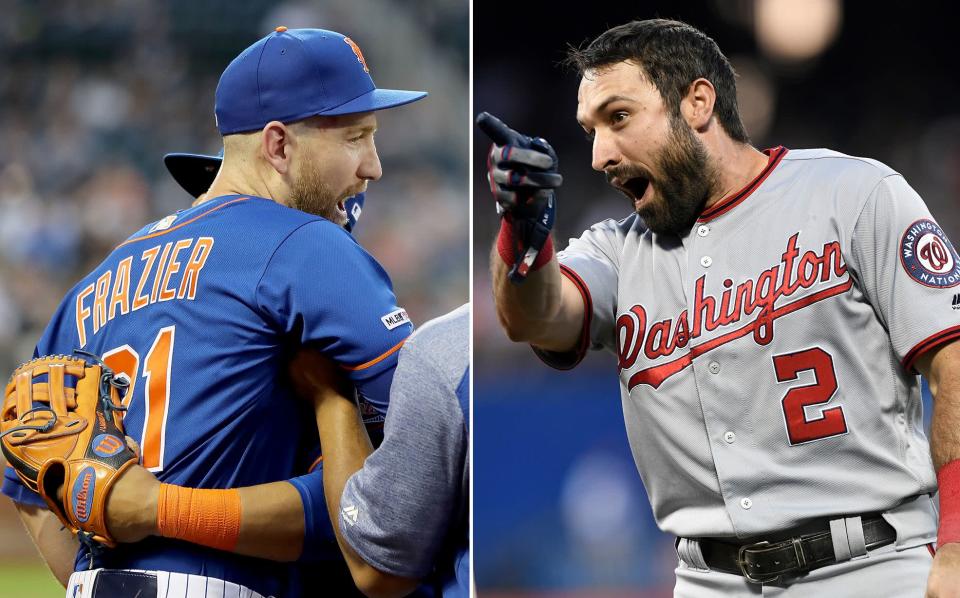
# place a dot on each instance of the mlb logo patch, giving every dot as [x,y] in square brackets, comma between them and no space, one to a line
[395,318]
[928,256]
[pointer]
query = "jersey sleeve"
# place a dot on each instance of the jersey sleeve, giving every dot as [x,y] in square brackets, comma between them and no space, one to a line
[591,262]
[17,492]
[397,511]
[321,288]
[908,268]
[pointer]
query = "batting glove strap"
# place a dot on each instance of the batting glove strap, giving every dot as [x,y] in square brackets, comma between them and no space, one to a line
[948,478]
[515,251]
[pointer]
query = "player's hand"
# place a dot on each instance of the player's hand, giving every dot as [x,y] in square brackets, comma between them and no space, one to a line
[944,580]
[523,177]
[319,379]
[131,508]
[518,166]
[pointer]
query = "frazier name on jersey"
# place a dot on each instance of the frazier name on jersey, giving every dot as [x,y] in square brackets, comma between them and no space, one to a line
[166,275]
[709,313]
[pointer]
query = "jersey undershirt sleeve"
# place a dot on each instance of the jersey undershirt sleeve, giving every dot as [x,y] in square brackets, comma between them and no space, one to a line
[398,510]
[908,269]
[323,290]
[592,263]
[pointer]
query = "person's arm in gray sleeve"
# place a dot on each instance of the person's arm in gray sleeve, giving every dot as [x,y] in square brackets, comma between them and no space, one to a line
[395,508]
[397,511]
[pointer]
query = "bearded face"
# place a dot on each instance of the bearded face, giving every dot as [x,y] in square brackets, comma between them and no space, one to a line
[645,147]
[312,194]
[679,191]
[337,157]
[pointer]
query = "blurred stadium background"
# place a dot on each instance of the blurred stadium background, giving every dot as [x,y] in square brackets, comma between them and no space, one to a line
[559,508]
[94,92]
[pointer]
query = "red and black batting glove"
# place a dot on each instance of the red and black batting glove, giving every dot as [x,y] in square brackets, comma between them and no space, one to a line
[522,172]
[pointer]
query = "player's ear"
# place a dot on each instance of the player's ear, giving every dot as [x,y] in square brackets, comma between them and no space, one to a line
[696,106]
[275,145]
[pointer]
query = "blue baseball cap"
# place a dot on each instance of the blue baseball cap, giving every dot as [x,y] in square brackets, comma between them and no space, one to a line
[293,74]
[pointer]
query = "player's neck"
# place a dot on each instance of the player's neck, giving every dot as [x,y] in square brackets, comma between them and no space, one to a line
[229,182]
[736,165]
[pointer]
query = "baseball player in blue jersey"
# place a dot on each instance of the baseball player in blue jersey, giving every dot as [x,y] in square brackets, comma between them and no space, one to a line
[327,572]
[203,309]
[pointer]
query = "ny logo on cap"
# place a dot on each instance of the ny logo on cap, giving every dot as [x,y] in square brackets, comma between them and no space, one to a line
[356,50]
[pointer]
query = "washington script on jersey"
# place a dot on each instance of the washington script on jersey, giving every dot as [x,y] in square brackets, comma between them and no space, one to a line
[102,301]
[758,294]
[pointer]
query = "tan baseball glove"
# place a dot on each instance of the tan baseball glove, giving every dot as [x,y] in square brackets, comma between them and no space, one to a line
[65,439]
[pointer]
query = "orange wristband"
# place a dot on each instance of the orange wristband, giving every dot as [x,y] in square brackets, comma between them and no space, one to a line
[948,478]
[199,516]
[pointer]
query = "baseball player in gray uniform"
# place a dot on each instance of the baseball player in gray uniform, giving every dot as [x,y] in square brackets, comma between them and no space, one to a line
[769,311]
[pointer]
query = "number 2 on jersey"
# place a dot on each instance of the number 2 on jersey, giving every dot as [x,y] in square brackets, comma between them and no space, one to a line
[831,422]
[125,361]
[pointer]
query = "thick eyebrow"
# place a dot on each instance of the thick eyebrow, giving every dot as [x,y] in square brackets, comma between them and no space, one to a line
[363,129]
[604,104]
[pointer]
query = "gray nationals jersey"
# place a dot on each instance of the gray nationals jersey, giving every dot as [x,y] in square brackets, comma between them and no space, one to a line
[766,357]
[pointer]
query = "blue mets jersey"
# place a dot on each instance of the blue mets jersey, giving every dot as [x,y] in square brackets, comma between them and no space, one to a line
[201,311]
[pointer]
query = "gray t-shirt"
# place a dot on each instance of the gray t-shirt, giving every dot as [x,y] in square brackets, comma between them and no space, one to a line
[408,504]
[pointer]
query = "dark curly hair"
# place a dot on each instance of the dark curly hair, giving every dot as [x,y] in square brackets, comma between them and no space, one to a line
[673,55]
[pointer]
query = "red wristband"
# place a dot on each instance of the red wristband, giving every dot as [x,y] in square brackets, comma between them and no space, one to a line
[510,248]
[948,479]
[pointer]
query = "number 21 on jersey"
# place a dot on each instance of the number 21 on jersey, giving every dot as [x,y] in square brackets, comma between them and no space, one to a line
[125,361]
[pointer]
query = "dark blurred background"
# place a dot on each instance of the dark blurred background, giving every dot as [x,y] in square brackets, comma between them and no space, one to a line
[94,92]
[559,507]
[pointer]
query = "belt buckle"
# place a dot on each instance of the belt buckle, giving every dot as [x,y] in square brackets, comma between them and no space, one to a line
[742,563]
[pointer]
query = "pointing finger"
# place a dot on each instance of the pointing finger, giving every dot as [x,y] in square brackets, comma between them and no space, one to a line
[496,130]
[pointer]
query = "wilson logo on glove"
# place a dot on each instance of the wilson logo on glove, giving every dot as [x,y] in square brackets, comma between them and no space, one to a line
[107,445]
[83,490]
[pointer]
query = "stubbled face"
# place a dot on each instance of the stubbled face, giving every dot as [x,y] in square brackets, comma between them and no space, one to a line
[337,157]
[648,154]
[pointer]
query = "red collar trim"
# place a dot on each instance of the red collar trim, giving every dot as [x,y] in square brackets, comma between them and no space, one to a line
[731,201]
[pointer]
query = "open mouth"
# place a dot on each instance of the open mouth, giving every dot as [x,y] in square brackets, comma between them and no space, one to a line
[341,207]
[635,188]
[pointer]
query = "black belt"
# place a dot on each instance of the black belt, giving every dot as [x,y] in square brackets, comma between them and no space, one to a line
[762,562]
[112,583]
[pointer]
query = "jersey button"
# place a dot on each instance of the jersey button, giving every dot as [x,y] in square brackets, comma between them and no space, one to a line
[714,367]
[730,437]
[703,230]
[746,503]
[705,261]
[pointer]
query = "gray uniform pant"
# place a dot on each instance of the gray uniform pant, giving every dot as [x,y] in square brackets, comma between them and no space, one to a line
[892,571]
